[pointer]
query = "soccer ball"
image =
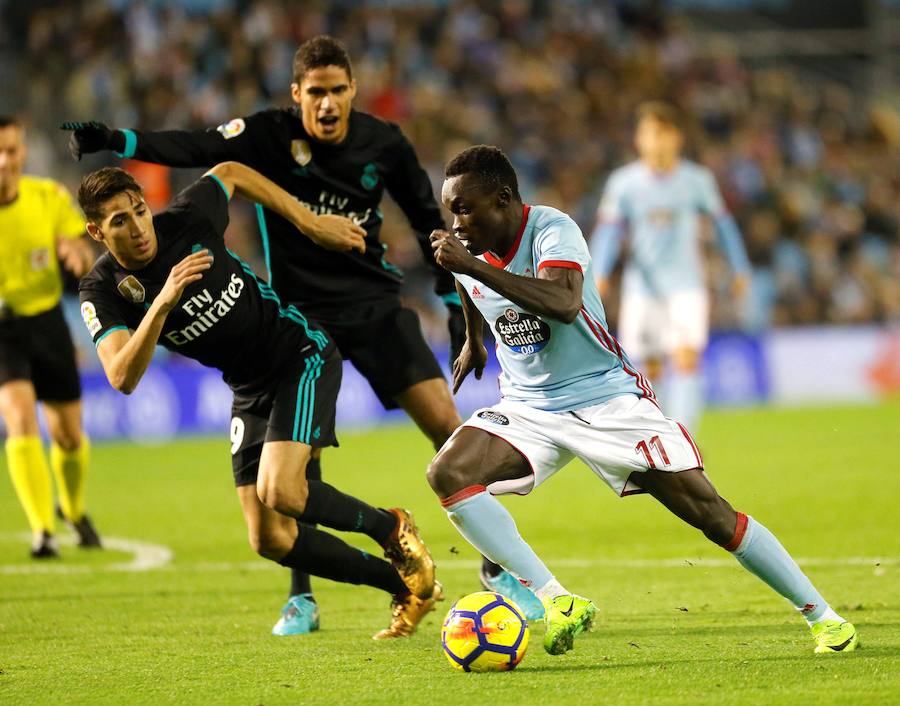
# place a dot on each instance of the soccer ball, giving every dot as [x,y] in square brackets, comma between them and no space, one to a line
[484,632]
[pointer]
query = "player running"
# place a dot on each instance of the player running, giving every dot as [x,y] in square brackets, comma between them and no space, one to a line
[664,316]
[169,279]
[39,227]
[334,159]
[568,390]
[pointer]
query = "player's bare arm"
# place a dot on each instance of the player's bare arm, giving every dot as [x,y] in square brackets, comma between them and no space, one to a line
[124,356]
[329,231]
[473,355]
[555,293]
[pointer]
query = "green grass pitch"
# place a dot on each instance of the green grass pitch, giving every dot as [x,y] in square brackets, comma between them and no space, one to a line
[679,621]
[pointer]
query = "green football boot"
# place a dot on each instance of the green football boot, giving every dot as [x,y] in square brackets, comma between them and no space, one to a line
[834,636]
[566,617]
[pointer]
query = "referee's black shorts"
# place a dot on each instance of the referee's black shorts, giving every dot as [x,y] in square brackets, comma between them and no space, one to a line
[39,348]
[384,342]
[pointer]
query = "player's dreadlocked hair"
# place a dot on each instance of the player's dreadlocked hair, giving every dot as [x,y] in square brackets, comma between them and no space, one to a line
[100,186]
[318,52]
[492,167]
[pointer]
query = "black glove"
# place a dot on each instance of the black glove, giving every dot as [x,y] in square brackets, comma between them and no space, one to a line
[92,137]
[456,324]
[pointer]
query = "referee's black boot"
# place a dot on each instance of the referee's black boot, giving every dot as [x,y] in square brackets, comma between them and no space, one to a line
[88,538]
[44,546]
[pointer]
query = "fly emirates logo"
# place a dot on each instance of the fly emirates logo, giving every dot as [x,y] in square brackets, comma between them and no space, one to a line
[206,311]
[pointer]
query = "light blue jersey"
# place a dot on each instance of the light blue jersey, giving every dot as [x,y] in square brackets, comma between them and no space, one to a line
[549,364]
[661,211]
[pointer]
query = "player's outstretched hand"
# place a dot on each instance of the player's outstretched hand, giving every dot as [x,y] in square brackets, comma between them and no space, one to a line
[189,270]
[470,358]
[450,253]
[75,255]
[339,233]
[90,137]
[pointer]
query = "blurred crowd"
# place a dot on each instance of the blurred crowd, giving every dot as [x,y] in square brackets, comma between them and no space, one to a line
[811,169]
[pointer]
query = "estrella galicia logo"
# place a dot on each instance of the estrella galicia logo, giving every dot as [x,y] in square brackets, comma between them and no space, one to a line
[523,333]
[490,415]
[369,178]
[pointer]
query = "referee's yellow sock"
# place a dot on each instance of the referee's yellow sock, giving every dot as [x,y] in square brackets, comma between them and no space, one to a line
[31,479]
[70,469]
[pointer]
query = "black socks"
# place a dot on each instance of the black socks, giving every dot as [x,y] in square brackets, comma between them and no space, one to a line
[321,554]
[326,505]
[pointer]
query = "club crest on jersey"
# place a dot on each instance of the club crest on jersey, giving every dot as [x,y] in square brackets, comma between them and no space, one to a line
[369,178]
[490,415]
[301,152]
[132,290]
[521,332]
[89,314]
[232,128]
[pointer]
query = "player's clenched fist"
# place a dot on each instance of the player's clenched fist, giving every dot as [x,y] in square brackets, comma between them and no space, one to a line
[339,233]
[450,253]
[189,270]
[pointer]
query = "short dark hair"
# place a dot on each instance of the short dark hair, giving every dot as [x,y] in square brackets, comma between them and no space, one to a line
[99,187]
[318,52]
[664,112]
[10,121]
[489,164]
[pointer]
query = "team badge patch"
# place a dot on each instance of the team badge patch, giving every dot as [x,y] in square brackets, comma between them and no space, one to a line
[301,152]
[89,314]
[132,290]
[232,128]
[369,178]
[40,259]
[523,333]
[490,415]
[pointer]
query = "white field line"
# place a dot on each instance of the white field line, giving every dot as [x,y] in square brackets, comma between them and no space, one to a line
[150,557]
[145,557]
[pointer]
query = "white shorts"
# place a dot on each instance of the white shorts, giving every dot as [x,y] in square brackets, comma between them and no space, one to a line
[655,327]
[627,434]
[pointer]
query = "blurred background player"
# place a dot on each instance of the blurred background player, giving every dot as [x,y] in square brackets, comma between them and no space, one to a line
[334,160]
[169,279]
[569,391]
[664,312]
[39,229]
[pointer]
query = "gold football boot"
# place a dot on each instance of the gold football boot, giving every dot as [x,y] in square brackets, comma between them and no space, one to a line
[408,554]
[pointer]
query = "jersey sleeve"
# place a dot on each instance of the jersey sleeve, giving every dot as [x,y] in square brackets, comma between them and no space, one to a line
[69,222]
[710,198]
[409,185]
[99,309]
[612,207]
[561,244]
[203,202]
[235,140]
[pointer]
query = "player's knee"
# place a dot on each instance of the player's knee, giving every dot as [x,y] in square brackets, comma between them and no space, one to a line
[268,544]
[288,499]
[446,475]
[67,439]
[686,360]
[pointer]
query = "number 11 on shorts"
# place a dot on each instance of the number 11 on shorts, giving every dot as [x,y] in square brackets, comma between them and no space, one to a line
[646,448]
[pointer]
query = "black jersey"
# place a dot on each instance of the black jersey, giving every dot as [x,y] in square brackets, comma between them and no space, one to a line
[227,320]
[348,179]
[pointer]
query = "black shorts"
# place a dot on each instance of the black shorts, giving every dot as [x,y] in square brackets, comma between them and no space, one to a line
[39,349]
[384,342]
[297,406]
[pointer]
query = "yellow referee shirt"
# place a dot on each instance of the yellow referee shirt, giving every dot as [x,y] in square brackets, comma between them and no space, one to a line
[43,211]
